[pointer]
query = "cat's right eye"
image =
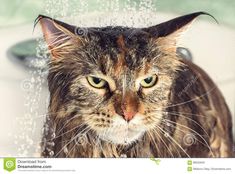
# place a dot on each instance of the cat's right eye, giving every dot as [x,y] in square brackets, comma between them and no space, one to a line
[149,81]
[96,82]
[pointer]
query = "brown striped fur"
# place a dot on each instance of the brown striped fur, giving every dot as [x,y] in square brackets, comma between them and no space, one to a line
[183,115]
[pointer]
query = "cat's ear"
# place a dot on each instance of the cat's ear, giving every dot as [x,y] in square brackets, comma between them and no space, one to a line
[59,36]
[168,32]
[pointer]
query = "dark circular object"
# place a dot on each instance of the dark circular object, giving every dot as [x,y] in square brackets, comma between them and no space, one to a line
[25,54]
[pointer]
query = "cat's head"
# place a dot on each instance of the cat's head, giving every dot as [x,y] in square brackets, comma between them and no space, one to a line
[116,81]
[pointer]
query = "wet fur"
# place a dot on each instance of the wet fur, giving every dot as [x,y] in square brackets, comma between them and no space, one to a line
[186,103]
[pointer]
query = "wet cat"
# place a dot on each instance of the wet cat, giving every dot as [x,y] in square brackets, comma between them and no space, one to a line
[125,92]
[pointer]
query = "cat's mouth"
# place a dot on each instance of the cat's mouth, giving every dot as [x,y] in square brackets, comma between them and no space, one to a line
[122,137]
[122,132]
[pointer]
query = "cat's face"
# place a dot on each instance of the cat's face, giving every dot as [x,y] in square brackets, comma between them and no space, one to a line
[115,81]
[122,91]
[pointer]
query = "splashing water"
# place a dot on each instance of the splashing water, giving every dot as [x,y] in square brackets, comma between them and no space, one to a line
[83,13]
[33,88]
[102,12]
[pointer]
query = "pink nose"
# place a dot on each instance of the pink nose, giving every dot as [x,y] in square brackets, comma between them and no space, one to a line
[128,115]
[129,105]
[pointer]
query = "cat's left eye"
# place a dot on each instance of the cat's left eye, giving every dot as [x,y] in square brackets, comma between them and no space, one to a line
[96,82]
[149,81]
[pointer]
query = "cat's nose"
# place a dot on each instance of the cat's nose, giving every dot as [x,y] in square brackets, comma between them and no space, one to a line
[129,108]
[127,105]
[128,115]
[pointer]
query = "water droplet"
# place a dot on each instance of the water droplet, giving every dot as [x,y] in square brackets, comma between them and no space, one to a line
[166,134]
[168,124]
[53,135]
[66,150]
[123,156]
[51,153]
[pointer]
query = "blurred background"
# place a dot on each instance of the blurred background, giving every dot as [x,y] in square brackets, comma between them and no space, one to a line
[23,88]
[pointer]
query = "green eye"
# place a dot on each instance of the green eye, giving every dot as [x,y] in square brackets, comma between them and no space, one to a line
[149,81]
[96,82]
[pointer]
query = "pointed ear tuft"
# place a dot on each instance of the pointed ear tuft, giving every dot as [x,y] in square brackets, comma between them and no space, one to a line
[168,32]
[171,26]
[59,36]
